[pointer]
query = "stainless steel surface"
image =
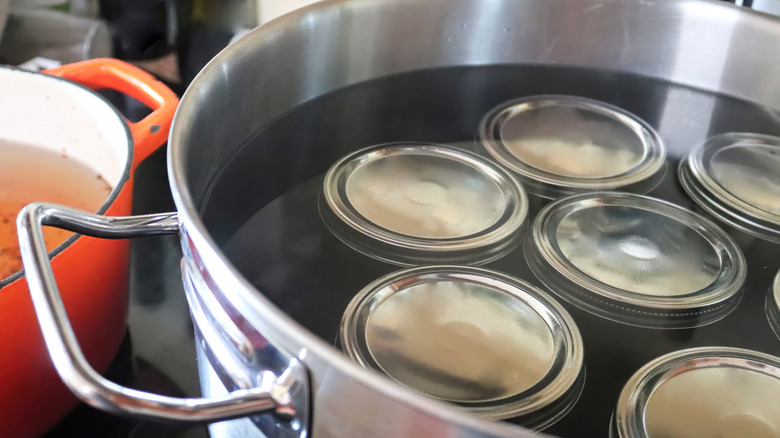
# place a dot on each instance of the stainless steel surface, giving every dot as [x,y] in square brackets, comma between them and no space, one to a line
[736,178]
[426,202]
[702,392]
[317,50]
[491,344]
[692,42]
[212,385]
[271,394]
[566,144]
[632,258]
[238,352]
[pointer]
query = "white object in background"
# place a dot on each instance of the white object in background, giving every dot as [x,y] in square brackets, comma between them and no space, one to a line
[239,33]
[767,6]
[267,10]
[77,123]
[82,8]
[39,63]
[38,4]
[54,35]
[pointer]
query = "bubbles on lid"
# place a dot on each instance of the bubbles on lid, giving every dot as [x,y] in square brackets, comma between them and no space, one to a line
[482,340]
[560,145]
[459,341]
[425,196]
[636,260]
[426,193]
[719,402]
[637,250]
[736,178]
[751,173]
[571,142]
[639,247]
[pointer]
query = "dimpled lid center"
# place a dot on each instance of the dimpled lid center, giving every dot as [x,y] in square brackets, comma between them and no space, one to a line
[425,196]
[460,341]
[638,250]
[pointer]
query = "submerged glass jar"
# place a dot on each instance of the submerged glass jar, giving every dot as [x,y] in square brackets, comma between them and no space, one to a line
[561,145]
[636,260]
[702,392]
[773,305]
[491,344]
[736,178]
[422,203]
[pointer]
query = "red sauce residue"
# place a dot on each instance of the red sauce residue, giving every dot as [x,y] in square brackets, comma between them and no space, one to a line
[29,174]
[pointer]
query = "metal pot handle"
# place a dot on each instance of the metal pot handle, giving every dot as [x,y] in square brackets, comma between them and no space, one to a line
[272,395]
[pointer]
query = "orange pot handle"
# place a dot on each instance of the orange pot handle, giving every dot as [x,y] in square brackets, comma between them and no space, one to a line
[151,132]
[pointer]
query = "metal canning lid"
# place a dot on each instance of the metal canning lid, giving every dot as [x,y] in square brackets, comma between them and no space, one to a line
[422,203]
[773,305]
[702,392]
[489,343]
[561,145]
[736,178]
[636,260]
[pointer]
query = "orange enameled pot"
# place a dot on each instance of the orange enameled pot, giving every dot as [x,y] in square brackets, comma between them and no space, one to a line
[58,111]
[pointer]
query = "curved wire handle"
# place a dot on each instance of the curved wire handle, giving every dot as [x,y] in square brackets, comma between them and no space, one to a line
[272,395]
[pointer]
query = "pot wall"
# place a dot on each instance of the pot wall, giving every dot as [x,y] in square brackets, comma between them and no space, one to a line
[320,49]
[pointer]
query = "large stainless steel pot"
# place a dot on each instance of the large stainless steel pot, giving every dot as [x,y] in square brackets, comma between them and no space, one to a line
[299,383]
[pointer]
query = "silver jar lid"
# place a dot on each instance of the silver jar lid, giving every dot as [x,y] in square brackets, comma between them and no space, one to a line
[736,178]
[422,203]
[702,392]
[773,305]
[489,343]
[636,260]
[561,145]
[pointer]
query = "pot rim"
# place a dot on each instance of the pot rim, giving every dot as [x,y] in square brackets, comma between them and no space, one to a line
[125,176]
